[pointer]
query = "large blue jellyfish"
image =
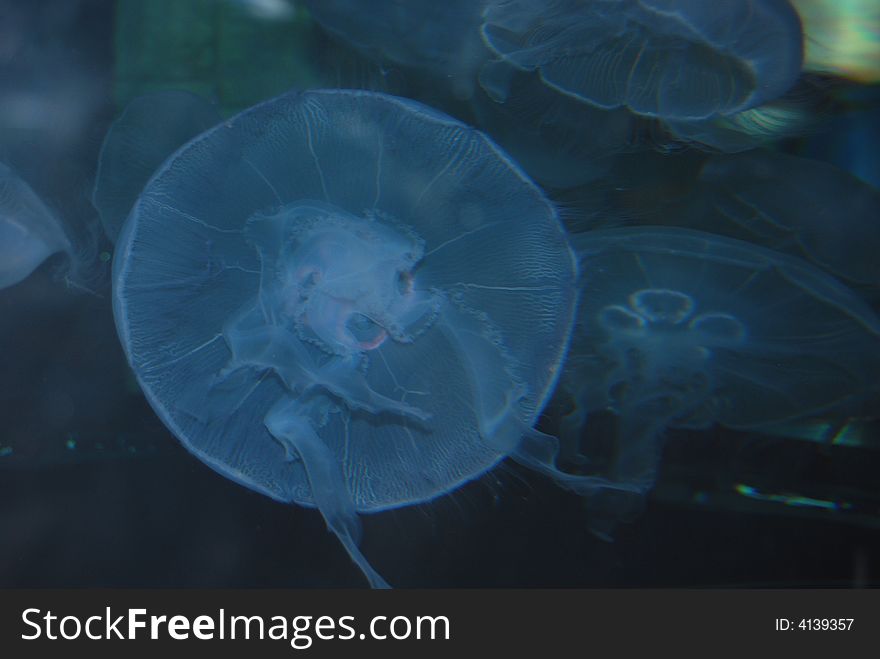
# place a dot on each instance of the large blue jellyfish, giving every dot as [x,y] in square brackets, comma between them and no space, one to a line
[680,328]
[347,300]
[30,232]
[673,59]
[149,130]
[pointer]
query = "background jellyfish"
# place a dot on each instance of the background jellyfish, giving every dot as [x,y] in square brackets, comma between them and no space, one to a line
[149,130]
[680,328]
[674,59]
[800,111]
[30,233]
[797,204]
[347,300]
[559,141]
[440,38]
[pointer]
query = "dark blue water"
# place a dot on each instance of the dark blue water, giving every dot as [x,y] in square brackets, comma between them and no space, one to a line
[95,491]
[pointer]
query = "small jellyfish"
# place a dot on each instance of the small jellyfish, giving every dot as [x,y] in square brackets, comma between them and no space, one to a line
[673,59]
[680,328]
[150,129]
[29,232]
[347,300]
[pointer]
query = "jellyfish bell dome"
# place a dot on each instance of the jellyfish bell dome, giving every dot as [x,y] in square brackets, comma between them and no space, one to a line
[346,300]
[739,304]
[680,328]
[672,59]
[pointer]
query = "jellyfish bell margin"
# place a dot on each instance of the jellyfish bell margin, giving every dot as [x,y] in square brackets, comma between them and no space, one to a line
[149,129]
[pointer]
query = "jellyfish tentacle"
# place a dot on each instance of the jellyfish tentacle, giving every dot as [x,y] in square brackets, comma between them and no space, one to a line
[640,435]
[640,445]
[273,347]
[569,431]
[495,389]
[538,451]
[350,385]
[288,421]
[29,231]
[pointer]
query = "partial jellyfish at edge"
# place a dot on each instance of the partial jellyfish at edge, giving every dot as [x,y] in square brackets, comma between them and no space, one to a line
[800,111]
[684,329]
[799,206]
[804,207]
[440,38]
[671,59]
[30,233]
[350,301]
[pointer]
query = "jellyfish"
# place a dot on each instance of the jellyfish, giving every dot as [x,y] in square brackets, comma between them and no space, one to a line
[349,301]
[795,113]
[560,142]
[29,231]
[149,130]
[673,59]
[684,329]
[801,206]
[442,39]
